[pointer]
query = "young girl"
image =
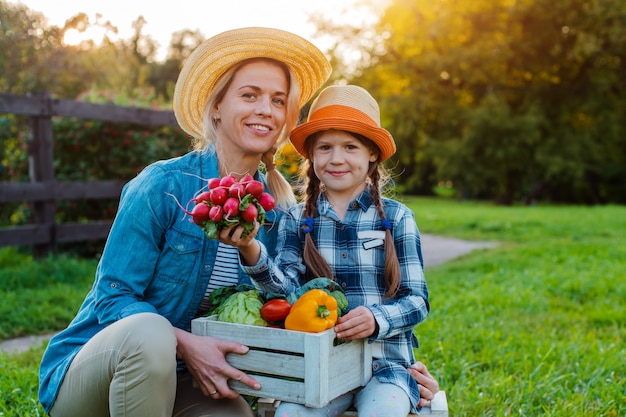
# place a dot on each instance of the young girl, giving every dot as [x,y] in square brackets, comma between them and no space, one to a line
[368,244]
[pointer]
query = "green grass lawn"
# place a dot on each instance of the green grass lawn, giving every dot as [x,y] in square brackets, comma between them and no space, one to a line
[534,327]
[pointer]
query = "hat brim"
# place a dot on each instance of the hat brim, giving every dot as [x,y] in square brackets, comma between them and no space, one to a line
[207,63]
[381,137]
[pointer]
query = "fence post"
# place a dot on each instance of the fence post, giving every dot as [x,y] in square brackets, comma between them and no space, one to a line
[41,168]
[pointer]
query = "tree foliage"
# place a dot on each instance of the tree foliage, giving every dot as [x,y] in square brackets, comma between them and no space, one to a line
[510,100]
[507,100]
[35,57]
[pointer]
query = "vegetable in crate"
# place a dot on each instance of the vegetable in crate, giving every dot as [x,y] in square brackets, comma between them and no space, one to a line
[220,295]
[275,310]
[243,308]
[315,311]
[327,285]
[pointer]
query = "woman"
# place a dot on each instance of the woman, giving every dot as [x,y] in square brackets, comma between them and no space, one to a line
[129,350]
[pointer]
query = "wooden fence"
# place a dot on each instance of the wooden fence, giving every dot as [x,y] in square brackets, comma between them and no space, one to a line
[43,191]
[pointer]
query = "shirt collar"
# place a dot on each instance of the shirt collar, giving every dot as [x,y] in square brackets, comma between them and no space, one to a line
[363,200]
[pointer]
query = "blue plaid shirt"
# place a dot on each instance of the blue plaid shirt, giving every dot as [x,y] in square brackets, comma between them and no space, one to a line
[358,262]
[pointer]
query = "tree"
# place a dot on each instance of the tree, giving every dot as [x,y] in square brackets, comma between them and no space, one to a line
[25,46]
[509,100]
[163,76]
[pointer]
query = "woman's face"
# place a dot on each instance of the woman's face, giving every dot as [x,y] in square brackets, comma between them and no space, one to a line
[253,110]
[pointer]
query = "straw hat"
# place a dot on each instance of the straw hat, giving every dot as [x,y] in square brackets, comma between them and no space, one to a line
[209,61]
[345,107]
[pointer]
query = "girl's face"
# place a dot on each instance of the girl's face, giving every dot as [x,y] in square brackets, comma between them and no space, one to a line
[253,110]
[341,162]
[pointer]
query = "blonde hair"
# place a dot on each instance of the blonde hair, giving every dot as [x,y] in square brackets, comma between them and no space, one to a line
[277,185]
[311,188]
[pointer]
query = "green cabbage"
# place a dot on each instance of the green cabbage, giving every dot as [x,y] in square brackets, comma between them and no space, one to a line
[243,308]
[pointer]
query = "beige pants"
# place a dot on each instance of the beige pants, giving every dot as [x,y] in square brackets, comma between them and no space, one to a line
[129,370]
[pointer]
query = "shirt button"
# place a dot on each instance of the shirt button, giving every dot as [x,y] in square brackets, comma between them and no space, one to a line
[113,285]
[343,285]
[344,255]
[207,267]
[181,247]
[355,204]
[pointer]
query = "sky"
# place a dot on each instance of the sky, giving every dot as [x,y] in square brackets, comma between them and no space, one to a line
[210,17]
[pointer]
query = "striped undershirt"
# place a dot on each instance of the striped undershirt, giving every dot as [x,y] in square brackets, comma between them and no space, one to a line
[225,273]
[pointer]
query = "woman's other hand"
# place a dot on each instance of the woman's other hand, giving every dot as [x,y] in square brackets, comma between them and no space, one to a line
[205,358]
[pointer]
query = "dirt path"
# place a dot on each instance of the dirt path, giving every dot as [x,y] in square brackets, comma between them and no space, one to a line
[437,250]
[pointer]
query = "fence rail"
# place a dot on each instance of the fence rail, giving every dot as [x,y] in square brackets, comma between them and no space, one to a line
[43,191]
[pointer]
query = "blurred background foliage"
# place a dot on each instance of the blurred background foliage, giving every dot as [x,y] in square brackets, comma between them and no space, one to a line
[509,101]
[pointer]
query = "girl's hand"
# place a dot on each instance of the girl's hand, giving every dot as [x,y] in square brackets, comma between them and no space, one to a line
[205,358]
[358,323]
[427,384]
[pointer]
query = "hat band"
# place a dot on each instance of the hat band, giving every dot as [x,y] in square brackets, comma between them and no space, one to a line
[343,112]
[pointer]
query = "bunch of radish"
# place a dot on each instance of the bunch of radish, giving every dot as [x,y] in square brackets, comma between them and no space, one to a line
[229,201]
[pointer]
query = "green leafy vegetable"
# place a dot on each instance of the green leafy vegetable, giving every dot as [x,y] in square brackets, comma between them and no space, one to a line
[243,308]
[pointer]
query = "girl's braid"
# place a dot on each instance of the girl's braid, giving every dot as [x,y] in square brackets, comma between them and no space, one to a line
[313,259]
[392,265]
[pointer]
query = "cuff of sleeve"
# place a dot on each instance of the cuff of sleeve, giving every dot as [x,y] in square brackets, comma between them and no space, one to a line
[382,326]
[261,265]
[136,308]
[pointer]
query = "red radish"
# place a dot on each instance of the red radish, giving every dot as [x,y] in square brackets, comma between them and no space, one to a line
[250,213]
[255,188]
[229,202]
[266,201]
[219,195]
[231,207]
[213,183]
[216,213]
[200,213]
[205,196]
[237,190]
[246,179]
[228,180]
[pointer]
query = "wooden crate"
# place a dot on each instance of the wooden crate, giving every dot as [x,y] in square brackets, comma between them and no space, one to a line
[299,367]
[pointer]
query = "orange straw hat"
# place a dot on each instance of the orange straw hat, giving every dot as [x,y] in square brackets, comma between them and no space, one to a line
[345,107]
[209,61]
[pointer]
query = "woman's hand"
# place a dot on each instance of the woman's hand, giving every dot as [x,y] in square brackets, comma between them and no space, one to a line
[358,323]
[205,358]
[249,248]
[427,384]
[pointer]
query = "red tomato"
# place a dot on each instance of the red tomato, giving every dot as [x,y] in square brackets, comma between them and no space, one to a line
[275,310]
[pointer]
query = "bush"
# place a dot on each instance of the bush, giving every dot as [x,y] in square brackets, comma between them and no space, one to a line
[88,150]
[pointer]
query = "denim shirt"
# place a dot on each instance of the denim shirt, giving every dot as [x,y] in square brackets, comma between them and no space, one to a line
[155,260]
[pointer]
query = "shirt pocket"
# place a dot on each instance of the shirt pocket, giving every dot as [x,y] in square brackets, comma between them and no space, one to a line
[180,257]
[371,262]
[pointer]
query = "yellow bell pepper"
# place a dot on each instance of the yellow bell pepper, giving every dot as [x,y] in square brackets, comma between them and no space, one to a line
[314,312]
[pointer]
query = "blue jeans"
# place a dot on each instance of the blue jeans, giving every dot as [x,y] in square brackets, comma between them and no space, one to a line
[375,399]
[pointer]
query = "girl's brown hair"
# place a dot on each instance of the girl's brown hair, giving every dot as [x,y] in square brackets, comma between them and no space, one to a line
[311,188]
